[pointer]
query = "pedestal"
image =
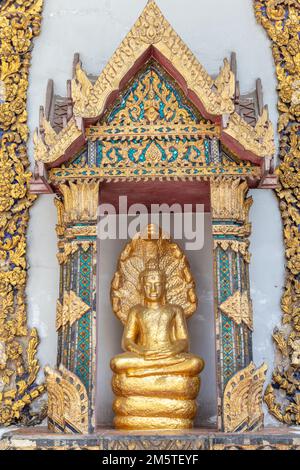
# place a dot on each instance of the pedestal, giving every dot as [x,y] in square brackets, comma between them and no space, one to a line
[107,439]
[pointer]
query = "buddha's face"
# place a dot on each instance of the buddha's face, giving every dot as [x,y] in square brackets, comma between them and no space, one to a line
[153,285]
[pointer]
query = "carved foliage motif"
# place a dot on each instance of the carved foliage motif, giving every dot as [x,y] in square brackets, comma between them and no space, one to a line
[80,201]
[242,407]
[281,19]
[67,402]
[20,23]
[71,310]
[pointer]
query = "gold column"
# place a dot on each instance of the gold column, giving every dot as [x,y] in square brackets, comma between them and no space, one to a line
[233,306]
[76,308]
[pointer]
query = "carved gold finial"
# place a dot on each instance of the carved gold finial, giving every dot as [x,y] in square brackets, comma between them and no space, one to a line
[152,28]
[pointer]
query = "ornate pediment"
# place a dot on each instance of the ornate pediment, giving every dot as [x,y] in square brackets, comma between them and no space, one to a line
[152,123]
[153,30]
[154,112]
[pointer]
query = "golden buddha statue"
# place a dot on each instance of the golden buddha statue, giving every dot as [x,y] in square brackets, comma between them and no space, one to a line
[157,380]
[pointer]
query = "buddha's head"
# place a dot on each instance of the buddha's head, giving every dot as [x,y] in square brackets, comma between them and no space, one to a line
[153,282]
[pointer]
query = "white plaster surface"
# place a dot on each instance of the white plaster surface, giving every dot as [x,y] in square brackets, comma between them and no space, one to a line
[212,29]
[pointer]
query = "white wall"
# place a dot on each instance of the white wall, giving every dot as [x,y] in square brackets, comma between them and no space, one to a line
[212,28]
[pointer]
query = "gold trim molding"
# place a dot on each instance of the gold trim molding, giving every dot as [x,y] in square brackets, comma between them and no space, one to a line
[20,24]
[281,20]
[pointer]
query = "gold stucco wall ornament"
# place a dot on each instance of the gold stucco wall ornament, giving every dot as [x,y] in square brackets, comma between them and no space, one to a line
[281,20]
[19,23]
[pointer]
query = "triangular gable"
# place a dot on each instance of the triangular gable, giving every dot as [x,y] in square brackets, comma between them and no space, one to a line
[153,31]
[153,38]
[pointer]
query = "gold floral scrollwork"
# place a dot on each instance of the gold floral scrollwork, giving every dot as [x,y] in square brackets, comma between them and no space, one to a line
[243,396]
[20,23]
[281,20]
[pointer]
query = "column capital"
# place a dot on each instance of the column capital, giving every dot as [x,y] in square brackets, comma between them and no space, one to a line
[80,201]
[229,199]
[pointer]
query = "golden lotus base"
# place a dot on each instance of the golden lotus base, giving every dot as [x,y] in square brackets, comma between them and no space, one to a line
[39,438]
[157,402]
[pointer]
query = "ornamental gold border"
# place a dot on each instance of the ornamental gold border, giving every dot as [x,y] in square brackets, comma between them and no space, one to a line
[20,23]
[281,20]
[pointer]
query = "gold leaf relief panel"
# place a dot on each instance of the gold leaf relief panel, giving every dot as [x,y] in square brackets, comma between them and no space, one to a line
[281,20]
[19,23]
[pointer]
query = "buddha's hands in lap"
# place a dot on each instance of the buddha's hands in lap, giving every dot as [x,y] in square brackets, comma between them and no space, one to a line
[164,353]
